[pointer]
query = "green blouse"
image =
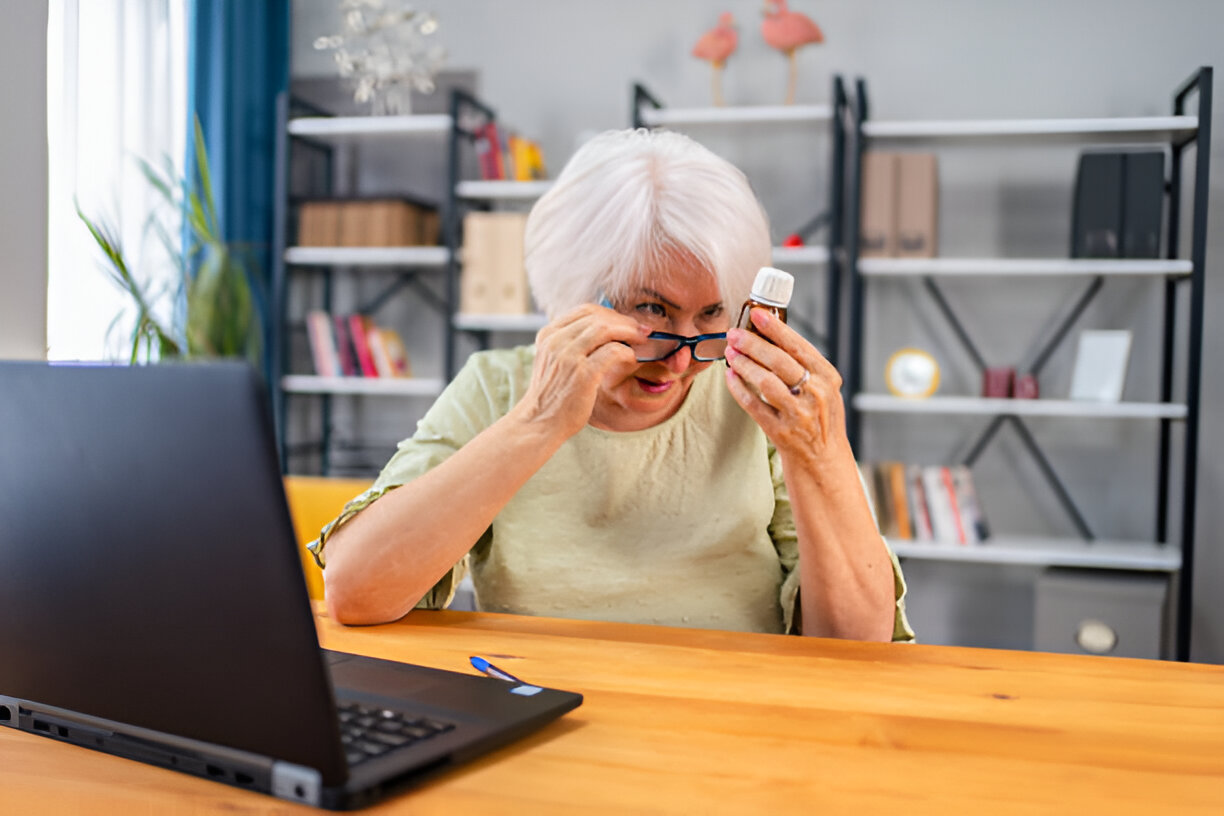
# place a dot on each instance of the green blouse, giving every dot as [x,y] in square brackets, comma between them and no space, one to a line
[687,523]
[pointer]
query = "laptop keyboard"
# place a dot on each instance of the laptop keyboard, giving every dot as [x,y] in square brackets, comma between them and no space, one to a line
[369,731]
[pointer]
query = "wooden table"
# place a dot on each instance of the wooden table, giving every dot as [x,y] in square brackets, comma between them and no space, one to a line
[687,721]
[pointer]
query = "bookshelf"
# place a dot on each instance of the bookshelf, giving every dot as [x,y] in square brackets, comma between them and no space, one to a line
[306,132]
[1181,275]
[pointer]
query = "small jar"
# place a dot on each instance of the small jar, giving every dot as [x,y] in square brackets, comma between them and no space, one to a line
[770,291]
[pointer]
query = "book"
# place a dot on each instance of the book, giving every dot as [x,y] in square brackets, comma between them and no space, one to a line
[972,519]
[920,513]
[359,328]
[917,205]
[902,525]
[344,348]
[878,224]
[388,352]
[322,343]
[401,363]
[489,152]
[958,523]
[884,505]
[379,352]
[940,502]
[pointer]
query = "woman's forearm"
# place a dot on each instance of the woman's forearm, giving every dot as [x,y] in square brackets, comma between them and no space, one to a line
[846,574]
[382,561]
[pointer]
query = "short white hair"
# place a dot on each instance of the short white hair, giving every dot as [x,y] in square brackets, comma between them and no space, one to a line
[633,205]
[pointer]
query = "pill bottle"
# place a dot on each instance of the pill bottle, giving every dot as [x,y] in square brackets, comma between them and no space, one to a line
[770,291]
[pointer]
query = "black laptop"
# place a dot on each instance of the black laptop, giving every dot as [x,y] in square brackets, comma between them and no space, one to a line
[152,602]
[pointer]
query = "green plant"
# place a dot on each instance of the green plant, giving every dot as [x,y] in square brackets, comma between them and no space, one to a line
[214,277]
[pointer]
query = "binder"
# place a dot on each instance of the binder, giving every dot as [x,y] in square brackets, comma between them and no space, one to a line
[917,205]
[878,222]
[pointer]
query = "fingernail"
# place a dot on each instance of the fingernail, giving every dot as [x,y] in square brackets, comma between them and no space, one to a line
[761,317]
[644,329]
[731,353]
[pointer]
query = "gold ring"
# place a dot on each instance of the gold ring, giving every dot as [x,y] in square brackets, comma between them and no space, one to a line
[797,387]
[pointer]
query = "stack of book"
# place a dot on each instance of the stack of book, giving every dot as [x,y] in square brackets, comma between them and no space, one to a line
[355,346]
[932,503]
[512,159]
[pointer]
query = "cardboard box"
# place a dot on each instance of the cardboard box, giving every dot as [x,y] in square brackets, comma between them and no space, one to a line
[878,222]
[319,223]
[494,280]
[917,205]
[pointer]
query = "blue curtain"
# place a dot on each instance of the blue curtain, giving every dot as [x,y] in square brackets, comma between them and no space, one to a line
[238,62]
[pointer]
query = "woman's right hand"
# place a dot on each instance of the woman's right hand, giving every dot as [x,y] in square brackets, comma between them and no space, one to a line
[575,354]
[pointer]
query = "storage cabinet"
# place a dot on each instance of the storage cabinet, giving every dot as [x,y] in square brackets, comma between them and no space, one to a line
[1180,277]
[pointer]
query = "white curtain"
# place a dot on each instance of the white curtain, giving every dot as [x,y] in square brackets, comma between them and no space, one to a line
[117,91]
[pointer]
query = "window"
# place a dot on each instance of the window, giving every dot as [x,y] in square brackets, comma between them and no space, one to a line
[117,91]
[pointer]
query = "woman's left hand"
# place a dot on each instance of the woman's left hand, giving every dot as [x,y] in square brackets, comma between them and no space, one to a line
[789,388]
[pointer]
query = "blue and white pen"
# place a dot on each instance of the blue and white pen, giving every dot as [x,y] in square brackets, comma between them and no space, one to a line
[488,668]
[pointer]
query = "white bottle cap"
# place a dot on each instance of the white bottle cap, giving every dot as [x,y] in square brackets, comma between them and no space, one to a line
[773,286]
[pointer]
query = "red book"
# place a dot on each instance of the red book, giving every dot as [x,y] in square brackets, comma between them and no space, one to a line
[489,151]
[359,328]
[344,348]
[950,485]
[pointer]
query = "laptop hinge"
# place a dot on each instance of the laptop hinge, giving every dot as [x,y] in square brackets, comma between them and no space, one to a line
[297,783]
[9,711]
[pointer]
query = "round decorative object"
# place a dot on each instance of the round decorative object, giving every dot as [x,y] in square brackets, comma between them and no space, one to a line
[1096,637]
[912,372]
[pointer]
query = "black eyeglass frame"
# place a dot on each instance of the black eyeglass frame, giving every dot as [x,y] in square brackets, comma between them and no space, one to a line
[681,341]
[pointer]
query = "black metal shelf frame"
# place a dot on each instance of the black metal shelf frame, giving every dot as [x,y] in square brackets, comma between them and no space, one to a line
[1200,86]
[831,338]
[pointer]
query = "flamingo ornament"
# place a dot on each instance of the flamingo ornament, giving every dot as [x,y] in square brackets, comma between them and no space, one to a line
[788,31]
[715,46]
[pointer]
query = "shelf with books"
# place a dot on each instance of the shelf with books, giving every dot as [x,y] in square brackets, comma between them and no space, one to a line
[991,406]
[1022,267]
[1169,187]
[345,243]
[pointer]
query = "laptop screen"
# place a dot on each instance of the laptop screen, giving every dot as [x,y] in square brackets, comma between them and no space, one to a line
[148,571]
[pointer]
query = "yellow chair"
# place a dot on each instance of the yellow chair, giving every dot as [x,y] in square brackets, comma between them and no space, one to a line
[314,501]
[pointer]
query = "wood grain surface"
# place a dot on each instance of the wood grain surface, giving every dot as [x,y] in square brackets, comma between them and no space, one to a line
[691,721]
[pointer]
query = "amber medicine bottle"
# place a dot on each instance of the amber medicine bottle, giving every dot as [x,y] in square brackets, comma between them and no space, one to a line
[770,291]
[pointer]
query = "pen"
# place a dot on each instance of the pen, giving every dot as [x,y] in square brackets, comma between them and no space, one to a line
[491,670]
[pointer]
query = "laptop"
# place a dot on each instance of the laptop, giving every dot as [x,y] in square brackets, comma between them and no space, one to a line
[153,606]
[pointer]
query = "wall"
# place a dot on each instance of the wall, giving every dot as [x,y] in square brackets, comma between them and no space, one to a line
[23,177]
[560,70]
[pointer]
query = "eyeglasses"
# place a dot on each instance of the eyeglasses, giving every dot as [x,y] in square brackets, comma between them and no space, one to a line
[661,345]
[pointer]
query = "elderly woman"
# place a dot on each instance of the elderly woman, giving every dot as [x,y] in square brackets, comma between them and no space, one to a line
[603,473]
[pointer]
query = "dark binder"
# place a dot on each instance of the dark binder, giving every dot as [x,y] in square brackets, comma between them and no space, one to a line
[1096,221]
[1119,204]
[1143,206]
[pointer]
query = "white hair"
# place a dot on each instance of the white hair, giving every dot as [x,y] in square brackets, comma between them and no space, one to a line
[633,206]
